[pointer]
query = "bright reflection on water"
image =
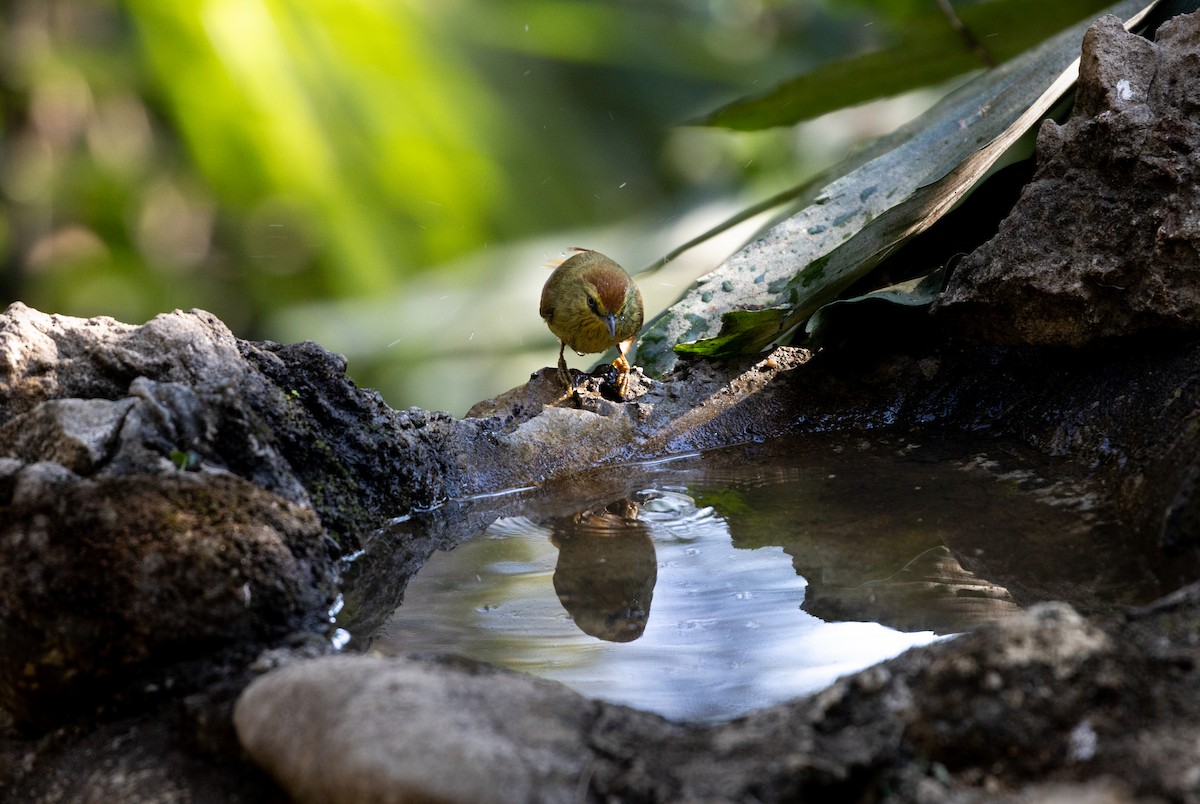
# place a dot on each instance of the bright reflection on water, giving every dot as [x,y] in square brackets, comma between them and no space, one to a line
[652,607]
[725,633]
[677,587]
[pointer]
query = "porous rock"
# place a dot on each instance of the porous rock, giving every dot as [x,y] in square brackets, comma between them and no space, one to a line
[1105,241]
[102,578]
[152,516]
[284,417]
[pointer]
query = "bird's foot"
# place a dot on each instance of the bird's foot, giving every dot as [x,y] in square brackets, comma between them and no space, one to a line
[564,374]
[568,383]
[622,383]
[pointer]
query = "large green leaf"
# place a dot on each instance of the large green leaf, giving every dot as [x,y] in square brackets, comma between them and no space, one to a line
[879,200]
[929,52]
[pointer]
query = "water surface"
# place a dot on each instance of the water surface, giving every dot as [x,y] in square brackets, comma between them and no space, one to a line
[710,585]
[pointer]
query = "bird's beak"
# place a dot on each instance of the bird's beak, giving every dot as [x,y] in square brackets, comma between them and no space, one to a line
[611,320]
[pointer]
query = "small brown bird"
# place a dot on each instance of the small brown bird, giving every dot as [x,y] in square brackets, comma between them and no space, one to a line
[591,305]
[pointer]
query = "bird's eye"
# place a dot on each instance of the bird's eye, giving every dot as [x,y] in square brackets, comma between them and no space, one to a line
[592,304]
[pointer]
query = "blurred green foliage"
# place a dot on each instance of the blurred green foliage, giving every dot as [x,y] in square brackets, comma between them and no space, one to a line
[935,42]
[255,156]
[242,155]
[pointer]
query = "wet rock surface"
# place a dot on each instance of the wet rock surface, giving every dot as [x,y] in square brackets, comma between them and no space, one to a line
[174,503]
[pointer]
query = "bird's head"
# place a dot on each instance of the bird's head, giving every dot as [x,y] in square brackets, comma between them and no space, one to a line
[607,291]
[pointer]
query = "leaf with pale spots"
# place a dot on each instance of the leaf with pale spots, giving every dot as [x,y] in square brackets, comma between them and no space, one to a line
[865,209]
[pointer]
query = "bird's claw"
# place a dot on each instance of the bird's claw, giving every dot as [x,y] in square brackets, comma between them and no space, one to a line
[623,382]
[564,375]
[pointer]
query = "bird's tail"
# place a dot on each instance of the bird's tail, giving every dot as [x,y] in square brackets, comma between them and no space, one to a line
[566,255]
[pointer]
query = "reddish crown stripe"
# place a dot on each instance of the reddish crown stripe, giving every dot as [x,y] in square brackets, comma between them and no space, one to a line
[610,287]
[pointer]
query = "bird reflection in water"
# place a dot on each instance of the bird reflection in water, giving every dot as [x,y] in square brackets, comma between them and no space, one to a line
[606,570]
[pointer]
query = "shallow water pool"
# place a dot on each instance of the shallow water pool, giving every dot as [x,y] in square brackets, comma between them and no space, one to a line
[706,586]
